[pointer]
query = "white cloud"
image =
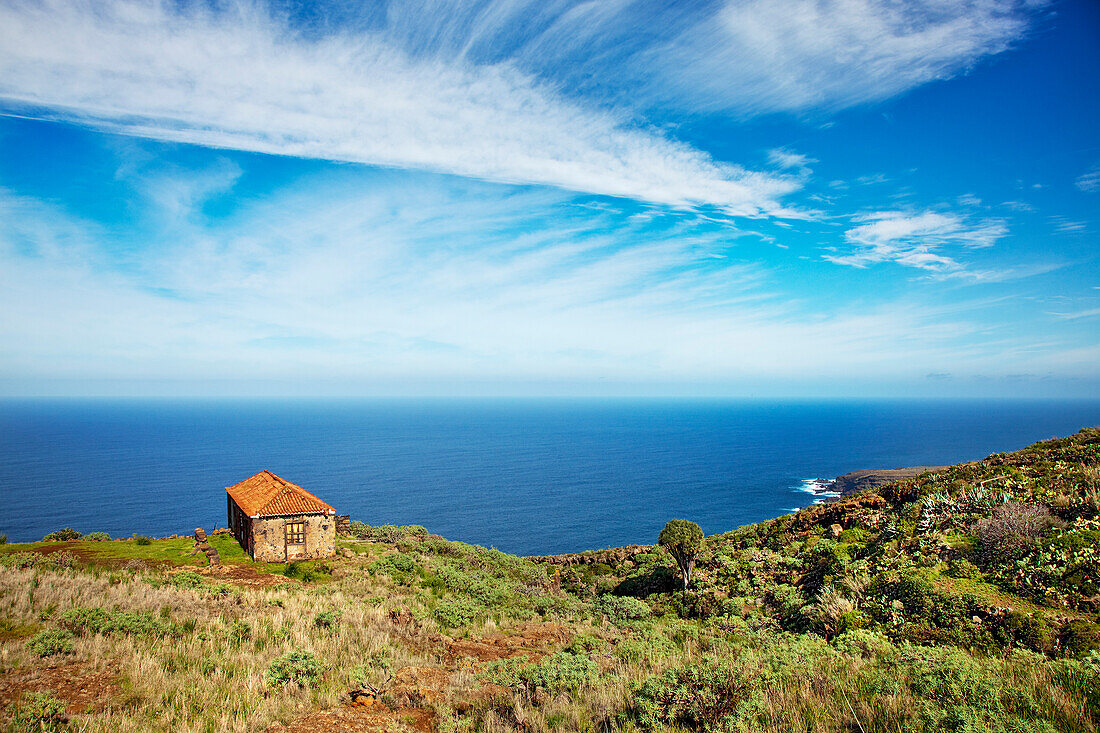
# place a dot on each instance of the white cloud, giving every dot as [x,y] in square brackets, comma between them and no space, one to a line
[1062,225]
[1075,315]
[506,90]
[397,282]
[784,158]
[1089,182]
[916,239]
[772,55]
[239,79]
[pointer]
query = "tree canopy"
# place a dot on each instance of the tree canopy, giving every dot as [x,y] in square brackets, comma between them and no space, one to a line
[683,539]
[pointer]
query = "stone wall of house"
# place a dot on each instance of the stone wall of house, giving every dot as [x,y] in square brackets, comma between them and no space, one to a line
[269,538]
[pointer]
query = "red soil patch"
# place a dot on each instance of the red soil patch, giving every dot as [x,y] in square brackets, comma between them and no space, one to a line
[76,683]
[364,716]
[241,575]
[531,640]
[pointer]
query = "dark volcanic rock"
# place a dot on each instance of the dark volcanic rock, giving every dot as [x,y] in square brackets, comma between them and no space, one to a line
[872,478]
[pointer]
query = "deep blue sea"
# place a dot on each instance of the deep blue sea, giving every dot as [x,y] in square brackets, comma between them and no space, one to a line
[525,476]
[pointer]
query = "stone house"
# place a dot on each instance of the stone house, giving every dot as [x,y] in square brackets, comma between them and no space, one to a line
[277,521]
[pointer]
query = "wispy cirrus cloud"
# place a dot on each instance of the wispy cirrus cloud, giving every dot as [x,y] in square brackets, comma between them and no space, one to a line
[755,56]
[240,79]
[916,239]
[1089,182]
[506,90]
[373,283]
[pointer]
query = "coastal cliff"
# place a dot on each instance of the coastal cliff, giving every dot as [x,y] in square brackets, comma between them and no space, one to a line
[872,478]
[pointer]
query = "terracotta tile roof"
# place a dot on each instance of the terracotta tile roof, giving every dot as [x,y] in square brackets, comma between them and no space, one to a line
[266,495]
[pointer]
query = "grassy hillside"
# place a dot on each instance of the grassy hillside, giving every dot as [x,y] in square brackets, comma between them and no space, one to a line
[962,600]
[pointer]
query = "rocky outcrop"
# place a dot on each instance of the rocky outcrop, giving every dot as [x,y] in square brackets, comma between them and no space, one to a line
[872,478]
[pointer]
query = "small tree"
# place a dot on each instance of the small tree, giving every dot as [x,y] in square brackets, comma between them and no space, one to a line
[683,539]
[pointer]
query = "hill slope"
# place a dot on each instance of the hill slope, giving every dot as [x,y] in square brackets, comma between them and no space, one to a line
[961,600]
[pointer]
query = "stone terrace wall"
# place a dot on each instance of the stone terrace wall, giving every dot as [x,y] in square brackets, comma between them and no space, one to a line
[613,556]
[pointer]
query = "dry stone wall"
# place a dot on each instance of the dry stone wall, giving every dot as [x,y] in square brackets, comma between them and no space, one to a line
[613,556]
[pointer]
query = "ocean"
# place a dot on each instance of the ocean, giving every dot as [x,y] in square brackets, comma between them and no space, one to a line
[524,476]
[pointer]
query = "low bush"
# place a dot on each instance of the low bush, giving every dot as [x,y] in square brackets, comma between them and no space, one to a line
[294,668]
[963,569]
[53,561]
[90,620]
[51,641]
[186,579]
[1011,531]
[622,609]
[327,620]
[62,535]
[452,614]
[97,537]
[140,539]
[397,565]
[703,696]
[563,671]
[36,712]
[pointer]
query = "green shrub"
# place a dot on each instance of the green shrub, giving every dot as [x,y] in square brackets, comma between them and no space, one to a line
[97,537]
[853,621]
[1079,637]
[90,620]
[140,539]
[51,641]
[852,534]
[703,696]
[36,712]
[1011,531]
[1030,632]
[62,535]
[562,672]
[862,643]
[240,630]
[621,609]
[647,648]
[222,590]
[3,539]
[327,620]
[186,579]
[396,564]
[962,568]
[294,668]
[452,614]
[21,559]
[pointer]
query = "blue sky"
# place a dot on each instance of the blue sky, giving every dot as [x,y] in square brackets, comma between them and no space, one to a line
[772,198]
